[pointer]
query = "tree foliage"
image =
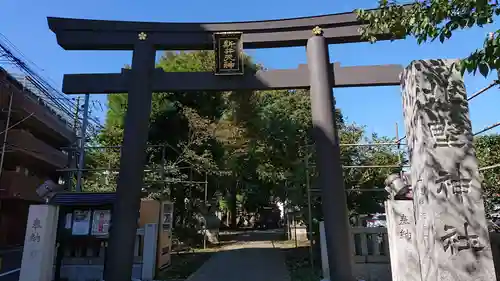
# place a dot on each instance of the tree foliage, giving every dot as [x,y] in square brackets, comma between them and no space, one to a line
[429,20]
[488,155]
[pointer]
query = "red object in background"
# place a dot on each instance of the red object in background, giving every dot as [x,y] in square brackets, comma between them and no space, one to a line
[100,226]
[409,195]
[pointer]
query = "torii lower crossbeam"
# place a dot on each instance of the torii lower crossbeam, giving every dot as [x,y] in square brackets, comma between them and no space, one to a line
[351,76]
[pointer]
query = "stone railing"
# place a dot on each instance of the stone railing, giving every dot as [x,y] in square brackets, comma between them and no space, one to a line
[371,253]
[370,245]
[370,250]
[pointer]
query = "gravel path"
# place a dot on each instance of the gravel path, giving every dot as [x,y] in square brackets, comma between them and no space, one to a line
[249,259]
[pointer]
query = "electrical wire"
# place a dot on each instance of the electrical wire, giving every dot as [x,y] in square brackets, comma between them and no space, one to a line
[39,86]
[17,123]
[476,94]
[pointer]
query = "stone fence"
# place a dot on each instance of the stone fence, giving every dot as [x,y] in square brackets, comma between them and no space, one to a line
[372,258]
[370,250]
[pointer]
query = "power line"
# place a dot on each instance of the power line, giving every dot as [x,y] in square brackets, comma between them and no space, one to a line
[356,190]
[496,82]
[36,84]
[489,167]
[15,124]
[7,124]
[487,128]
[31,82]
[81,159]
[481,91]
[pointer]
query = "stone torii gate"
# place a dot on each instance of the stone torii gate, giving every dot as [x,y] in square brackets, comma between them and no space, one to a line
[143,79]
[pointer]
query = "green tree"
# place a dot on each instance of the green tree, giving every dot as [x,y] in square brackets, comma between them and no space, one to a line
[197,128]
[437,19]
[488,154]
[281,141]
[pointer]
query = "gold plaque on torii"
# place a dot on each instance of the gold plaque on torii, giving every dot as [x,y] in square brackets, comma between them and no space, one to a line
[228,47]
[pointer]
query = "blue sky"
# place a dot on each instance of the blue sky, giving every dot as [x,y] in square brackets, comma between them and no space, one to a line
[24,23]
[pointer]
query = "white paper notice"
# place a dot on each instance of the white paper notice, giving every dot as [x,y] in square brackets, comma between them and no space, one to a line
[81,223]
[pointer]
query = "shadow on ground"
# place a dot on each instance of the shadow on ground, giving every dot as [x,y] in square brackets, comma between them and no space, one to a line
[184,264]
[259,262]
[299,264]
[232,237]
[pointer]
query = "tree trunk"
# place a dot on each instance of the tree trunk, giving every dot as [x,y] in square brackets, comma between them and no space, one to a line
[232,205]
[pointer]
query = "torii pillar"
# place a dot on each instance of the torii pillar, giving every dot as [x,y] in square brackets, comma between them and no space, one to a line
[330,178]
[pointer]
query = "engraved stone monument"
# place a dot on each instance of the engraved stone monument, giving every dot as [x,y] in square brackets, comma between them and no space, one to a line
[39,244]
[405,263]
[451,230]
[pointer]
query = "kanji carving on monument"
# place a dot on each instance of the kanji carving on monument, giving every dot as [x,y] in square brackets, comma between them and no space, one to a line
[456,243]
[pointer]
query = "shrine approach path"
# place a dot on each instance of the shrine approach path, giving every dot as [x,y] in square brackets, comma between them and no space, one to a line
[251,258]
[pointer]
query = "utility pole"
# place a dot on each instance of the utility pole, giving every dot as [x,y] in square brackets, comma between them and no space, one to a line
[309,207]
[206,188]
[398,151]
[77,111]
[208,213]
[71,151]
[162,170]
[81,159]
[5,133]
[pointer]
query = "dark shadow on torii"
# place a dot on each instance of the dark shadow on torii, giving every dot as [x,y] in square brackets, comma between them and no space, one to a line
[143,79]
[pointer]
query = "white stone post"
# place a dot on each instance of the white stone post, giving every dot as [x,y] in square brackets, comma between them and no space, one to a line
[149,251]
[39,244]
[405,263]
[452,235]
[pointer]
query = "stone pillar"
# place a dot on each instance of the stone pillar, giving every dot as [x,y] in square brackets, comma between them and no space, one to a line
[324,255]
[405,263]
[149,251]
[449,211]
[39,244]
[330,176]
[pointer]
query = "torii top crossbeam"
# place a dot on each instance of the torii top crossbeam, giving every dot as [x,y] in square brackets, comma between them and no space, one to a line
[81,34]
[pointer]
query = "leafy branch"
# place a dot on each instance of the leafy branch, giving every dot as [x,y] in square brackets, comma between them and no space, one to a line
[429,20]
